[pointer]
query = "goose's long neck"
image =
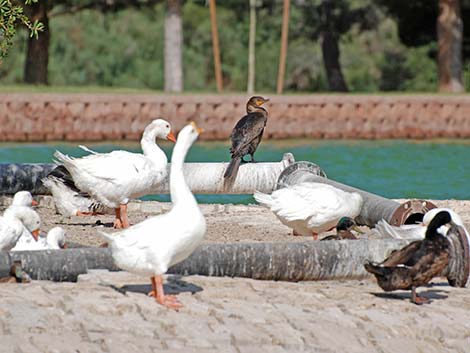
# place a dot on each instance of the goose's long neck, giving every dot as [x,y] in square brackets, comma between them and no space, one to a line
[180,192]
[152,150]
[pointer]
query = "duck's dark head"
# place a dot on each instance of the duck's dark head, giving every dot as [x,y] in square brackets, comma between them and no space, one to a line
[345,223]
[255,104]
[440,219]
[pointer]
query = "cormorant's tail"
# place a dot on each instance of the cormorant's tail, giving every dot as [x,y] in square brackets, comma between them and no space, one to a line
[231,172]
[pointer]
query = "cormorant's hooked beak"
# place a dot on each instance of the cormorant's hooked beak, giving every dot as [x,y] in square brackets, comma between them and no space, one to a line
[35,234]
[171,137]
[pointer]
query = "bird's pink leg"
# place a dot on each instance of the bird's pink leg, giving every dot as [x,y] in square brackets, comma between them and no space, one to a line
[170,301]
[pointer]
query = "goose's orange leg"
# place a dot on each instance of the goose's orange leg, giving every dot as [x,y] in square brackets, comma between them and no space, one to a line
[117,221]
[170,301]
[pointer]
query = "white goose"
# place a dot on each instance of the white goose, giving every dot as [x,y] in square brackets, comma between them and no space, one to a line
[54,240]
[114,178]
[416,231]
[151,247]
[71,202]
[311,208]
[15,222]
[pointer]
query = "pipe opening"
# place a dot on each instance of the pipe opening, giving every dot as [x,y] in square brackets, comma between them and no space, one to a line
[414,218]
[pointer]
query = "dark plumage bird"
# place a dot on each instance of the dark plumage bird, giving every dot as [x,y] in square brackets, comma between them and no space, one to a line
[246,135]
[417,263]
[16,275]
[343,230]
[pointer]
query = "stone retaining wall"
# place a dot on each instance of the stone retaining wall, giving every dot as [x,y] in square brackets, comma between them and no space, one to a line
[91,117]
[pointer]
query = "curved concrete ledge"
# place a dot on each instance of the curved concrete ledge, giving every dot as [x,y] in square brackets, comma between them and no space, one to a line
[294,261]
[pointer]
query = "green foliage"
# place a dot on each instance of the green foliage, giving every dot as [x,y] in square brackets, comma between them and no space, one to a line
[10,15]
[125,49]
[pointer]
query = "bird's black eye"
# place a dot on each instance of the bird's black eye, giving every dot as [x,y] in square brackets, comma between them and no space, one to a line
[167,125]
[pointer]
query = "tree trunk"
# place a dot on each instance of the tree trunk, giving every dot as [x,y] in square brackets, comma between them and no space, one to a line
[173,47]
[251,48]
[215,46]
[330,49]
[37,55]
[450,35]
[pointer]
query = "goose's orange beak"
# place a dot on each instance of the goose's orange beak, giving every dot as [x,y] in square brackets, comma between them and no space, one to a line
[34,203]
[65,246]
[171,137]
[35,234]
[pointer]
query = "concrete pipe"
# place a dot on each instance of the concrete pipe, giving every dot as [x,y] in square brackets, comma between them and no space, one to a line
[374,208]
[202,178]
[295,261]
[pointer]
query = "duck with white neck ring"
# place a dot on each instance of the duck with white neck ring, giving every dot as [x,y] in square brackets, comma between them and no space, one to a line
[116,177]
[151,247]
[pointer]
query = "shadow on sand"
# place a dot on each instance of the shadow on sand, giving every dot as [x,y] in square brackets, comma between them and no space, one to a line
[406,295]
[174,285]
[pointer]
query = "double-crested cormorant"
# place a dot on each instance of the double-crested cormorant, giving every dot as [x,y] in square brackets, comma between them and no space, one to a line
[343,230]
[246,135]
[417,263]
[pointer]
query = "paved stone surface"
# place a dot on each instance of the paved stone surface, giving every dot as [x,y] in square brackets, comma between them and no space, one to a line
[110,312]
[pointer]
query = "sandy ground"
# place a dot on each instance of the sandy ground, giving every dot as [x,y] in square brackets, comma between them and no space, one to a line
[225,223]
[110,312]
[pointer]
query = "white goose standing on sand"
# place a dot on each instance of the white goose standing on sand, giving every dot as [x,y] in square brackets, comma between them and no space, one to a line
[151,247]
[15,222]
[116,177]
[311,208]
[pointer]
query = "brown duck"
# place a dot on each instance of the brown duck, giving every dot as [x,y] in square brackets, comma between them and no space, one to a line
[246,136]
[16,275]
[417,263]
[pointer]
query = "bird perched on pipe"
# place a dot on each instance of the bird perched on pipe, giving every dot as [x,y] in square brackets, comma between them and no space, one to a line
[246,136]
[417,263]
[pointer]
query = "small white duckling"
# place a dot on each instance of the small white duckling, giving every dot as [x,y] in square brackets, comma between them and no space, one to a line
[15,222]
[151,247]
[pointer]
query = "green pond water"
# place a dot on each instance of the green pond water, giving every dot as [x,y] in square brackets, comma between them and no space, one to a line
[391,168]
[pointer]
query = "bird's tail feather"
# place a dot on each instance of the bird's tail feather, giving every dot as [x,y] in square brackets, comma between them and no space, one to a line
[231,172]
[262,198]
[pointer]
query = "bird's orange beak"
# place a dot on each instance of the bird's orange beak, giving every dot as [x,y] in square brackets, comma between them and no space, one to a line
[35,234]
[65,246]
[34,203]
[171,137]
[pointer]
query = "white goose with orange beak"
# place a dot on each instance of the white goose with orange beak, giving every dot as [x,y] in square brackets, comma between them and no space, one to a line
[151,247]
[16,222]
[116,177]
